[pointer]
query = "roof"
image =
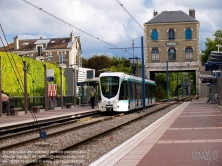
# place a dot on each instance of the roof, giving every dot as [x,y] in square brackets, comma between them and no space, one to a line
[51,43]
[171,17]
[214,61]
[215,56]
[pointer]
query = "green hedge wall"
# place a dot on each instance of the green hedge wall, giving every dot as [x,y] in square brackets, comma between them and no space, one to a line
[13,75]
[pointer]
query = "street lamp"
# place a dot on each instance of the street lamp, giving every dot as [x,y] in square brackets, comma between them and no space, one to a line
[41,58]
[25,81]
[134,64]
[73,66]
[61,66]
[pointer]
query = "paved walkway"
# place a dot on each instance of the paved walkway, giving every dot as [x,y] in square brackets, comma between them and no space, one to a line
[189,135]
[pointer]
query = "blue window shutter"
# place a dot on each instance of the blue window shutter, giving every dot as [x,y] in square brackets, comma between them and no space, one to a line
[188,34]
[154,35]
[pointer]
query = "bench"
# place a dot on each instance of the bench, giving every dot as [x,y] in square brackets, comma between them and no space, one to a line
[36,109]
[14,111]
[69,105]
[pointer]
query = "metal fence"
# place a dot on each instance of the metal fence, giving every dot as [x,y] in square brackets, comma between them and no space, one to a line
[18,101]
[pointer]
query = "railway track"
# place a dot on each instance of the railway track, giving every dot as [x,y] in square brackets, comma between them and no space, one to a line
[52,154]
[42,123]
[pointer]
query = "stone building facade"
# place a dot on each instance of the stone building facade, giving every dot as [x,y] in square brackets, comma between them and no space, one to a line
[172,37]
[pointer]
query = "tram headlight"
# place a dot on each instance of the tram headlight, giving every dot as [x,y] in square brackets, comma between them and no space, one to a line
[116,100]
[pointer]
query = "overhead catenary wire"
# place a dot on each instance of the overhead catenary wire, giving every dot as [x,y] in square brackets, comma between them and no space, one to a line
[14,67]
[44,11]
[129,14]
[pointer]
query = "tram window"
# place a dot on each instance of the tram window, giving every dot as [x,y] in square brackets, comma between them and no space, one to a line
[109,86]
[130,89]
[123,91]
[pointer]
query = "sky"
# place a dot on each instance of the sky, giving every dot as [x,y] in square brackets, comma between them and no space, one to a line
[103,19]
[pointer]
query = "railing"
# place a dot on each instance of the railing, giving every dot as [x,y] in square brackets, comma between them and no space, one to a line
[18,101]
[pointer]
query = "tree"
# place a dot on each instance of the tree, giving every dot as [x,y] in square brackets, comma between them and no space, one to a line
[211,46]
[99,63]
[120,65]
[85,63]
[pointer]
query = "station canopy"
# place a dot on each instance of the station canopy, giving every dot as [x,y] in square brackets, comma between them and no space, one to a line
[214,61]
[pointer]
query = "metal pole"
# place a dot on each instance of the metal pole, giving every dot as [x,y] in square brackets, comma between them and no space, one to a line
[74,87]
[167,86]
[177,88]
[143,74]
[46,89]
[0,86]
[61,87]
[25,88]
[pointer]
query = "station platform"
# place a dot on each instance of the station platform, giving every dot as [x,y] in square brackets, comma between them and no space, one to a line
[189,135]
[43,115]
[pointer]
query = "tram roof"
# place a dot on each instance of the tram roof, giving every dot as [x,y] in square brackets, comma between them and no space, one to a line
[130,77]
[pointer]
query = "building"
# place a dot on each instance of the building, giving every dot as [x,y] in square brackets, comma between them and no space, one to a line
[64,51]
[172,40]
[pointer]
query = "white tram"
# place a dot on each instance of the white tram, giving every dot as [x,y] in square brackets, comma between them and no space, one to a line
[121,92]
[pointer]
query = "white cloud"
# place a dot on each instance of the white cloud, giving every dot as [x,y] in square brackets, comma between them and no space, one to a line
[103,19]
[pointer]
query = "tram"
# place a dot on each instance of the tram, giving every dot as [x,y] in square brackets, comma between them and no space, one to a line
[85,87]
[120,92]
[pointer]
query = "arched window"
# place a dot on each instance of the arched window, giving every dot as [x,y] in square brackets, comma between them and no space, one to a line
[171,34]
[171,54]
[154,34]
[188,53]
[188,33]
[155,54]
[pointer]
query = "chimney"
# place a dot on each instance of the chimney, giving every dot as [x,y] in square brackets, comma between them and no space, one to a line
[192,13]
[72,36]
[155,13]
[16,43]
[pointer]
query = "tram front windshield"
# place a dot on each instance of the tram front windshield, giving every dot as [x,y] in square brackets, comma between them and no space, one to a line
[109,86]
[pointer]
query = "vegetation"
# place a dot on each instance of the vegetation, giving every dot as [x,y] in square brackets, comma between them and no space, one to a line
[13,75]
[105,62]
[211,45]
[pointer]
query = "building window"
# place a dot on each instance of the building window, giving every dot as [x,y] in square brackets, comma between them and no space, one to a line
[62,58]
[49,55]
[155,54]
[171,34]
[39,50]
[188,53]
[171,54]
[188,33]
[154,34]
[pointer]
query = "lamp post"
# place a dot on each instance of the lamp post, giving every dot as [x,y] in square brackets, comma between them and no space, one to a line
[74,83]
[61,87]
[46,88]
[25,88]
[167,80]
[25,81]
[143,74]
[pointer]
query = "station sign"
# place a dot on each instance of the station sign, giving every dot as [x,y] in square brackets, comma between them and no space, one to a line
[172,44]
